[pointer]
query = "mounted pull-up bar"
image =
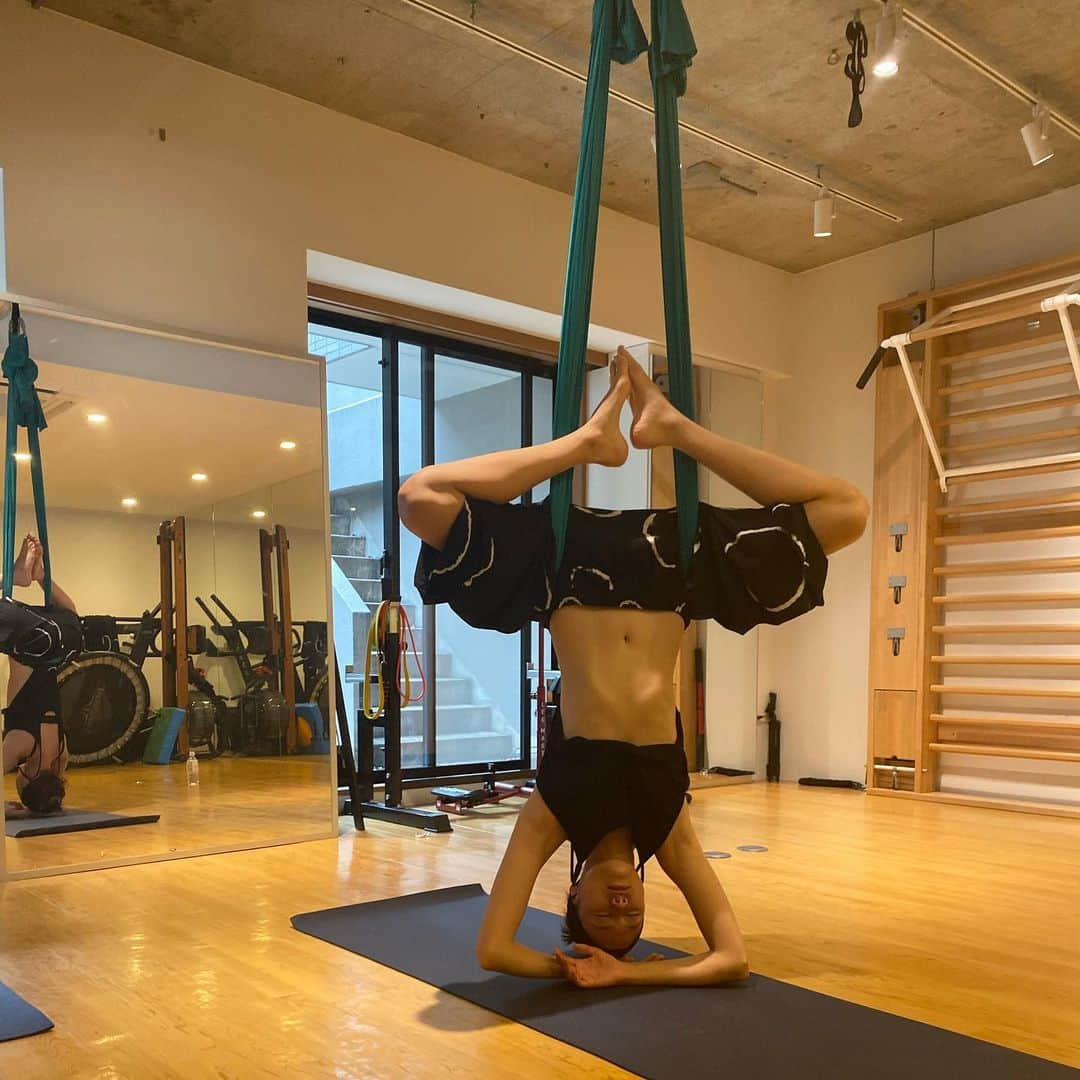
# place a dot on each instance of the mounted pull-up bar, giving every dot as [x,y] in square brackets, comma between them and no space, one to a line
[962,317]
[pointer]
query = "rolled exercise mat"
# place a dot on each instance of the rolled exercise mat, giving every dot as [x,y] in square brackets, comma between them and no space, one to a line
[19,1018]
[762,1028]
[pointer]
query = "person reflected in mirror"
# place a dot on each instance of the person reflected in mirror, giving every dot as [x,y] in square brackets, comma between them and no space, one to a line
[37,641]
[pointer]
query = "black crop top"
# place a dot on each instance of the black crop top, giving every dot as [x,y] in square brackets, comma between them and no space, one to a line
[750,566]
[36,703]
[594,786]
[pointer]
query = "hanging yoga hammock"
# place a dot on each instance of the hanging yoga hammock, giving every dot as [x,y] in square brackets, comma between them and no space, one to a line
[618,35]
[23,410]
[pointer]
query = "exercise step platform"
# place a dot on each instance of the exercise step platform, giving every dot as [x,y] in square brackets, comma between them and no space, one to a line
[465,796]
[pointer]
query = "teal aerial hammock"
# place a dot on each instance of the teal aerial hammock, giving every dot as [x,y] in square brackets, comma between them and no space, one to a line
[23,410]
[618,35]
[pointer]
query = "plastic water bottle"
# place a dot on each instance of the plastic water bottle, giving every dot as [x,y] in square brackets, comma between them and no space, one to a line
[192,769]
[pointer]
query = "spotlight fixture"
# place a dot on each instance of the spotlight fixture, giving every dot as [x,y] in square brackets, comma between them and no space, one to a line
[1036,135]
[199,477]
[287,444]
[21,458]
[887,41]
[823,210]
[129,502]
[96,418]
[258,513]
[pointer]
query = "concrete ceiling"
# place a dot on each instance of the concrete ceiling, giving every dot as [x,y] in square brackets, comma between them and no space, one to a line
[939,143]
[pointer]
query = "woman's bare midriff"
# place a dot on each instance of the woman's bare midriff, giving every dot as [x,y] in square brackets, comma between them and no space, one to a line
[617,670]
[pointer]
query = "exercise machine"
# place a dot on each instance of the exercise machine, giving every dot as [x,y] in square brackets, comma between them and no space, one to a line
[263,717]
[312,672]
[387,642]
[456,800]
[772,767]
[104,695]
[274,561]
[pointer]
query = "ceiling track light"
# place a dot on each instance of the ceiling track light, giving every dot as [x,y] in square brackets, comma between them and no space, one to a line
[887,41]
[824,210]
[1036,135]
[984,68]
[627,99]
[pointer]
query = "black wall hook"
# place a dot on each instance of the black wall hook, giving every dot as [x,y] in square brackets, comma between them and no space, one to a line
[853,67]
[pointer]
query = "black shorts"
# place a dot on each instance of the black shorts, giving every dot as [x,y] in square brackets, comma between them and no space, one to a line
[39,637]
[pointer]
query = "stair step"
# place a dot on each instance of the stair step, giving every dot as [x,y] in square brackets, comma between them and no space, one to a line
[360,567]
[457,749]
[348,544]
[368,589]
[456,691]
[451,719]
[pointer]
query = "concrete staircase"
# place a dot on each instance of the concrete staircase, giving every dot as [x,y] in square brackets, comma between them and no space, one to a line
[466,726]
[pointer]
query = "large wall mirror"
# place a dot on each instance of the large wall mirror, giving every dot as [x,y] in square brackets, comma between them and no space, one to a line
[186,488]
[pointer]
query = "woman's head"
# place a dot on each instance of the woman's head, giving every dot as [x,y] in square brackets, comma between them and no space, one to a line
[42,793]
[606,907]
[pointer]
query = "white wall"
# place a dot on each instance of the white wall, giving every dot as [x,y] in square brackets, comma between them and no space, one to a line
[819,663]
[209,231]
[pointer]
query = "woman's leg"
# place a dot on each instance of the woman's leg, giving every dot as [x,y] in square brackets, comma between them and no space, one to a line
[59,597]
[836,509]
[431,499]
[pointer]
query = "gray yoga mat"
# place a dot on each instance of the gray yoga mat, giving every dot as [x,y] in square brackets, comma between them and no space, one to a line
[72,821]
[764,1029]
[19,1018]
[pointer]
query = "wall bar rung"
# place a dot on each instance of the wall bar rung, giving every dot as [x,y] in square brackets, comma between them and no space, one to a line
[1053,532]
[1004,691]
[987,750]
[1012,378]
[998,412]
[1008,661]
[1061,723]
[1010,629]
[990,599]
[1011,566]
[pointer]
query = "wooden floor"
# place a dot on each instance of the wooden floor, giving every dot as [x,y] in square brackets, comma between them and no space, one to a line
[238,801]
[960,917]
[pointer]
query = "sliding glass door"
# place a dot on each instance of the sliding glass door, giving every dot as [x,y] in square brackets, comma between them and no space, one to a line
[398,401]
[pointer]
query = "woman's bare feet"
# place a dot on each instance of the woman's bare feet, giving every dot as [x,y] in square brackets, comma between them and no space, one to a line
[654,416]
[37,566]
[606,445]
[23,573]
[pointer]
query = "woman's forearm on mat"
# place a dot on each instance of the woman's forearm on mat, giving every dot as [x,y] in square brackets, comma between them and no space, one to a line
[705,969]
[515,959]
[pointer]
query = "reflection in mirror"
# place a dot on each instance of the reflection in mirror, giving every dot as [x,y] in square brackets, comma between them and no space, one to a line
[186,519]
